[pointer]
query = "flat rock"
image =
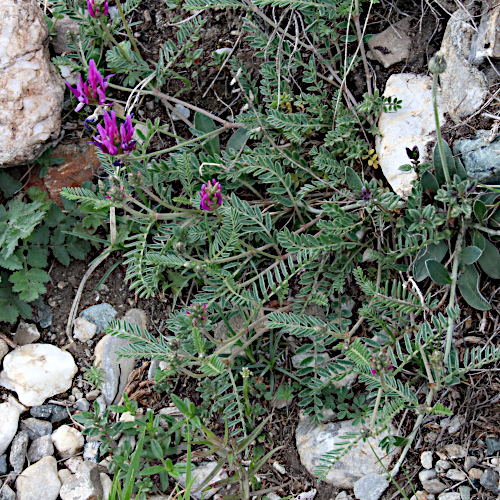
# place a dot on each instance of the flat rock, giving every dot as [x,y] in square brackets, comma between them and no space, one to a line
[412,125]
[84,330]
[85,484]
[18,451]
[442,466]
[100,315]
[433,486]
[68,441]
[26,333]
[314,440]
[31,91]
[37,372]
[370,487]
[9,416]
[481,158]
[200,473]
[464,87]
[456,475]
[470,462]
[40,448]
[489,480]
[391,45]
[39,481]
[454,451]
[36,428]
[426,475]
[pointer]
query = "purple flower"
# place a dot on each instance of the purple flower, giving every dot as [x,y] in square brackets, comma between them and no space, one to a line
[94,9]
[92,92]
[211,195]
[112,141]
[197,311]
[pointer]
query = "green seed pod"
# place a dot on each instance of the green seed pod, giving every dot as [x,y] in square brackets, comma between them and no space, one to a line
[437,64]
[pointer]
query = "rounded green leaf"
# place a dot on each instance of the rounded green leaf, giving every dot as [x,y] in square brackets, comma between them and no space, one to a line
[471,254]
[490,260]
[429,182]
[436,251]
[353,180]
[438,272]
[468,284]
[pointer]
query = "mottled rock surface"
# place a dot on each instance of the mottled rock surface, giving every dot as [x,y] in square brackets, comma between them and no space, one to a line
[391,45]
[31,91]
[39,481]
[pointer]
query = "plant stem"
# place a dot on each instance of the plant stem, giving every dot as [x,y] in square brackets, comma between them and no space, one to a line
[375,410]
[438,129]
[113,40]
[127,28]
[362,47]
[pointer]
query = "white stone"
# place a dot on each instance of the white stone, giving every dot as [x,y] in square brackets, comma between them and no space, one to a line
[314,440]
[85,484]
[426,459]
[182,110]
[68,441]
[464,86]
[412,125]
[451,495]
[63,475]
[4,349]
[9,416]
[307,495]
[84,330]
[456,475]
[442,466]
[37,372]
[200,473]
[31,91]
[106,484]
[39,481]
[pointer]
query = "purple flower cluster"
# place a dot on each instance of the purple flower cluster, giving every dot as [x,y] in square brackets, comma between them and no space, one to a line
[211,195]
[197,311]
[94,10]
[380,364]
[112,141]
[92,92]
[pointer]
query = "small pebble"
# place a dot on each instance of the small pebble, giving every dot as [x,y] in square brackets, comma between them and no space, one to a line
[93,395]
[454,451]
[84,330]
[442,466]
[470,462]
[451,495]
[464,492]
[426,475]
[475,473]
[82,404]
[63,475]
[279,467]
[456,475]
[3,465]
[433,486]
[489,480]
[426,459]
[91,451]
[62,284]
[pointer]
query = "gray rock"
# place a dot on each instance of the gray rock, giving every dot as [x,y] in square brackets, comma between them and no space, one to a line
[493,445]
[392,45]
[314,440]
[100,315]
[92,395]
[464,492]
[42,411]
[426,459]
[343,496]
[9,417]
[427,475]
[6,492]
[4,349]
[36,428]
[18,451]
[3,465]
[454,451]
[370,487]
[489,480]
[442,466]
[455,424]
[44,316]
[433,486]
[59,414]
[456,475]
[182,110]
[200,473]
[486,43]
[84,485]
[39,481]
[464,87]
[40,448]
[32,92]
[54,413]
[470,462]
[37,371]
[82,404]
[63,30]
[91,451]
[481,160]
[26,333]
[451,495]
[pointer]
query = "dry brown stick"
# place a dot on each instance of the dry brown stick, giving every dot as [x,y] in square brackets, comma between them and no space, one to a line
[8,341]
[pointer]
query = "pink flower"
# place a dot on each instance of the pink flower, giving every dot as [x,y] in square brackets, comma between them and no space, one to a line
[94,9]
[111,141]
[92,92]
[197,311]
[211,195]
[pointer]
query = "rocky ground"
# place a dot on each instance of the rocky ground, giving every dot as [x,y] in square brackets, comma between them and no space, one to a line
[44,455]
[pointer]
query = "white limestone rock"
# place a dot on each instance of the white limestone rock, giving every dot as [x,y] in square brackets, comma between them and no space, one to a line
[68,441]
[464,87]
[37,372]
[9,417]
[84,330]
[85,484]
[412,125]
[39,481]
[31,91]
[314,440]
